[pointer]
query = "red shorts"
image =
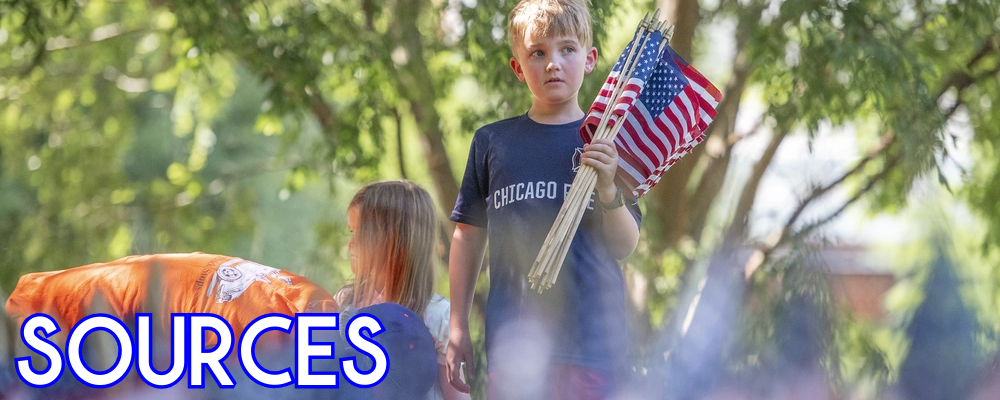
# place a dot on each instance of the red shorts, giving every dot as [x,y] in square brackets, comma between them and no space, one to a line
[569,382]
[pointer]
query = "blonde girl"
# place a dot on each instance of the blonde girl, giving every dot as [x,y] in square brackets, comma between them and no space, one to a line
[393,234]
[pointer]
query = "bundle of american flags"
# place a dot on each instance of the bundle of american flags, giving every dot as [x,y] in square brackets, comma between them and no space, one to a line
[661,105]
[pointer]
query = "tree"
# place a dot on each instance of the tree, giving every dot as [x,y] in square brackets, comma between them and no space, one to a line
[838,63]
[944,357]
[902,71]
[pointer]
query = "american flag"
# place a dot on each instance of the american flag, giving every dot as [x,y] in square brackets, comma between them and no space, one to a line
[644,67]
[674,108]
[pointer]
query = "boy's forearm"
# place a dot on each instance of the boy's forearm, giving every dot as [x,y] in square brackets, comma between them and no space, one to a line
[465,261]
[620,229]
[621,232]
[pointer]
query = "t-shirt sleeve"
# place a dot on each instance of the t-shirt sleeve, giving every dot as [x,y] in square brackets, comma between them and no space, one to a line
[437,317]
[470,207]
[633,208]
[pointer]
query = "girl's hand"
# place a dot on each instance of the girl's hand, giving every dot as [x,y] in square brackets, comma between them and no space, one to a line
[603,156]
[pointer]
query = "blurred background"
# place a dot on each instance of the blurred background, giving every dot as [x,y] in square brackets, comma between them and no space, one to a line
[836,236]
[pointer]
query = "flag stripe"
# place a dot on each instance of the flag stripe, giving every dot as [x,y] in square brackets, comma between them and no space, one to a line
[643,119]
[633,128]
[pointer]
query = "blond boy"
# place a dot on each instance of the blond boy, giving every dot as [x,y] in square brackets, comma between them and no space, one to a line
[570,341]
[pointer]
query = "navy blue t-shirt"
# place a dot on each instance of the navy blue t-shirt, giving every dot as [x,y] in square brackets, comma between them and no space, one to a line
[518,173]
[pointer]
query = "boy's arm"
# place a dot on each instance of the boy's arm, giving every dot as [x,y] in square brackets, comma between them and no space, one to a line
[449,392]
[620,230]
[465,260]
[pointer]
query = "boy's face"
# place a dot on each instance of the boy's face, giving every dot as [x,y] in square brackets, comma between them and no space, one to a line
[553,67]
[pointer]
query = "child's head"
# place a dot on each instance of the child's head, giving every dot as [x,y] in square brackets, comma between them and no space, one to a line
[551,45]
[393,229]
[550,18]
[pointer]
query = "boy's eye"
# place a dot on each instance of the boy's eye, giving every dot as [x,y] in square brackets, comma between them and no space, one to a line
[568,49]
[538,53]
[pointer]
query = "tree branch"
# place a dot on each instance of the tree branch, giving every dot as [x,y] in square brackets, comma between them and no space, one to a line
[734,138]
[890,164]
[886,140]
[324,114]
[98,35]
[369,11]
[779,238]
[399,142]
[989,47]
[960,80]
[987,74]
[35,62]
[740,219]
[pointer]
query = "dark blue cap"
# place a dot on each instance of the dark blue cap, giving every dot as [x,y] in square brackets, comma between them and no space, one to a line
[408,345]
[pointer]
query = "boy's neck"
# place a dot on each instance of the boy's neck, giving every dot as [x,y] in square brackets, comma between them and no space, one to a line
[555,114]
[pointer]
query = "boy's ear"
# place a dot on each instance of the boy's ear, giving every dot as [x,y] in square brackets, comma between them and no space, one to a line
[591,60]
[516,66]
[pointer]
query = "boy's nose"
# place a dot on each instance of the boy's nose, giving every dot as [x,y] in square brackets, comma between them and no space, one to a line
[552,66]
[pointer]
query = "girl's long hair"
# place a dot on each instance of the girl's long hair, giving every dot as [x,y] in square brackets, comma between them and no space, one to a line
[394,245]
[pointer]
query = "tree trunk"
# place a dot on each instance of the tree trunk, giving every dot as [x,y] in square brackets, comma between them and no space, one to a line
[399,142]
[685,16]
[723,127]
[668,200]
[418,86]
[741,217]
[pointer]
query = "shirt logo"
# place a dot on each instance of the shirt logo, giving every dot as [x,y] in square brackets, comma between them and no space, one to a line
[234,277]
[577,159]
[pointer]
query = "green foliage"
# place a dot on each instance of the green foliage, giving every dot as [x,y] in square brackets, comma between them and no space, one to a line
[126,139]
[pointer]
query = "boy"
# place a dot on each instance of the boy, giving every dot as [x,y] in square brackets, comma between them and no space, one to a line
[569,341]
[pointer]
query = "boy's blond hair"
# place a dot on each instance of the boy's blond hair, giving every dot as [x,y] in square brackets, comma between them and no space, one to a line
[550,18]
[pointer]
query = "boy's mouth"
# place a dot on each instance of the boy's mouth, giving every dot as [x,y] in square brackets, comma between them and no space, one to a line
[554,80]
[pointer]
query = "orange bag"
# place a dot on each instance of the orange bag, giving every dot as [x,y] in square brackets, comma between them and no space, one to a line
[235,289]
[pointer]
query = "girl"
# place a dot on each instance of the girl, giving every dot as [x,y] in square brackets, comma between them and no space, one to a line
[393,231]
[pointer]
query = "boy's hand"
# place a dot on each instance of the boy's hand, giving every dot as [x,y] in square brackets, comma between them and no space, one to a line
[603,156]
[459,352]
